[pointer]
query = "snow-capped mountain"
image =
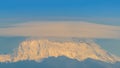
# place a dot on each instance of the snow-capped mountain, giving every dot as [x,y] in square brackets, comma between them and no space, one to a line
[38,50]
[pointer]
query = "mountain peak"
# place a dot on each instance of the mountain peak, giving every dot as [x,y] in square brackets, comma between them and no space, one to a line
[41,49]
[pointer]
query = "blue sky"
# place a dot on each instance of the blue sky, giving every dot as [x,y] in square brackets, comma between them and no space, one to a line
[99,11]
[96,11]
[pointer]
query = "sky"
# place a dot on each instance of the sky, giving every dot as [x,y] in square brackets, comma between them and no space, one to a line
[15,15]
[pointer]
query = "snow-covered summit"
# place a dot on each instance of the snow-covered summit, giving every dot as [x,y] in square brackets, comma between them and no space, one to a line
[39,49]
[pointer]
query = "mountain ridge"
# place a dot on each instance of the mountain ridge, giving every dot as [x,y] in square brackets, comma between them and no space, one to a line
[60,62]
[40,49]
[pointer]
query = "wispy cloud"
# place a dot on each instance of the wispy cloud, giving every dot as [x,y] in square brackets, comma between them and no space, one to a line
[62,29]
[52,18]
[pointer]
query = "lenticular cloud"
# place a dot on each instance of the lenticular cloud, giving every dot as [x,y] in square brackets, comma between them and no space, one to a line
[77,29]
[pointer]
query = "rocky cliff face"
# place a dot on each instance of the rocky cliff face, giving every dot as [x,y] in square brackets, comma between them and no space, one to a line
[39,49]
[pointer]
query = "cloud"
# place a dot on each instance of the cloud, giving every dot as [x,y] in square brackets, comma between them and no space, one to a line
[105,19]
[78,29]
